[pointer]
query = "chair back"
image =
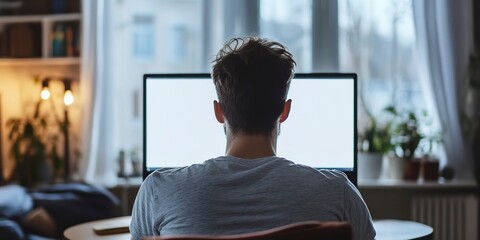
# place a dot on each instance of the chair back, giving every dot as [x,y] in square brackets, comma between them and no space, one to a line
[310,230]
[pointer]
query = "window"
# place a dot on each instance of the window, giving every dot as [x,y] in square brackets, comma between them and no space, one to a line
[377,41]
[147,37]
[372,38]
[276,23]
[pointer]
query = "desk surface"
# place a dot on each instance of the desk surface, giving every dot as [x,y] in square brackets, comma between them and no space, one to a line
[386,229]
[399,229]
[85,230]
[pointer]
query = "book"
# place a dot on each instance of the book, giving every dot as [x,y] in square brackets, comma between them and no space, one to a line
[112,227]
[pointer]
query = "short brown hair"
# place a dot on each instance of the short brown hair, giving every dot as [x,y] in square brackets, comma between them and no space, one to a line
[252,77]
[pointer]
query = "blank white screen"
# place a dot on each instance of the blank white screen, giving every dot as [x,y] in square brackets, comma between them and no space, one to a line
[181,128]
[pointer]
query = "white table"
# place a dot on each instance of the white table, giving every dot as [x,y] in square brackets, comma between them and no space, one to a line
[85,231]
[390,229]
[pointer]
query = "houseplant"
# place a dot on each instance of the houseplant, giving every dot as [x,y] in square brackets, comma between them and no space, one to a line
[406,137]
[374,143]
[34,140]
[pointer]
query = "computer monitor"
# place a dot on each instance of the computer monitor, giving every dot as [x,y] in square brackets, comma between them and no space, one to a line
[180,127]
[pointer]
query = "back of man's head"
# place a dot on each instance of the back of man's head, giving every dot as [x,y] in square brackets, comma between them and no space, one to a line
[252,77]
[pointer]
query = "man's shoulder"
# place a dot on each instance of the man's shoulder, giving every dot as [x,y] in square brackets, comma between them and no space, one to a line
[329,174]
[178,172]
[223,165]
[333,174]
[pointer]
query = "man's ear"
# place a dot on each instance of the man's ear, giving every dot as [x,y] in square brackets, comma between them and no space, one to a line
[286,110]
[218,112]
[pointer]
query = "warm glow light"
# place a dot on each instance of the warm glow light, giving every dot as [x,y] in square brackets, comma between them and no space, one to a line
[68,98]
[45,94]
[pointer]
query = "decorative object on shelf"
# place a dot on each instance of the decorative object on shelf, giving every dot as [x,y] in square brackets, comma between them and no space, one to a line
[58,40]
[429,163]
[136,163]
[393,167]
[121,164]
[21,40]
[124,169]
[40,36]
[430,168]
[65,39]
[35,139]
[448,173]
[374,143]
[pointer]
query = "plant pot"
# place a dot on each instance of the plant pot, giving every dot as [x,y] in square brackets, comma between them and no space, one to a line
[393,167]
[430,169]
[412,169]
[369,165]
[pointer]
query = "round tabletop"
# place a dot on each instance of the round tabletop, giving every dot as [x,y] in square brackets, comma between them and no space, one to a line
[401,229]
[386,229]
[85,230]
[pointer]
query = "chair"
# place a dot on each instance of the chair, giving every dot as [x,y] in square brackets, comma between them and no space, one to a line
[310,230]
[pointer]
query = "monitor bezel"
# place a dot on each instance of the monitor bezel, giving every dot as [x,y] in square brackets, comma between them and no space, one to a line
[351,173]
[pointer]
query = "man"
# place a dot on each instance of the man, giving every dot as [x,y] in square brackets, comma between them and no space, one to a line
[250,188]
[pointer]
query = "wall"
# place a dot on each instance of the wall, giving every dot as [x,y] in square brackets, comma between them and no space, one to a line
[19,93]
[476,24]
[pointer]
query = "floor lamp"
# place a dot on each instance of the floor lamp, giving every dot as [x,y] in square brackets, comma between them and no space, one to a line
[67,100]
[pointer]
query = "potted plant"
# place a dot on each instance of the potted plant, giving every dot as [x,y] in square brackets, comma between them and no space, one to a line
[374,143]
[34,148]
[430,163]
[406,137]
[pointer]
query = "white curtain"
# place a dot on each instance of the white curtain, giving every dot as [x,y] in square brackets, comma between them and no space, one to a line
[444,40]
[96,151]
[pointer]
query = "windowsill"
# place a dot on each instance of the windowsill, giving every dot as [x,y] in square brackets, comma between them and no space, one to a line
[393,183]
[364,183]
[129,181]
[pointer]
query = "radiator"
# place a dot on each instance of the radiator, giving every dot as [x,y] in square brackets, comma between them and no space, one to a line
[453,217]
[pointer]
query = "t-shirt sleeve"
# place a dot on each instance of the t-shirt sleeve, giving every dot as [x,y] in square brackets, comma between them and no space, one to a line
[143,213]
[357,213]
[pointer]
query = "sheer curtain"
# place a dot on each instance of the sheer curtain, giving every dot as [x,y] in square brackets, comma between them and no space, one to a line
[444,39]
[96,150]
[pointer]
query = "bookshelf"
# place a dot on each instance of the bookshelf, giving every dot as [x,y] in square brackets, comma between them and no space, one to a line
[59,61]
[50,39]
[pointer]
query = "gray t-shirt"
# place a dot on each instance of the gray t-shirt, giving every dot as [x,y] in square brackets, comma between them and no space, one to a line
[228,195]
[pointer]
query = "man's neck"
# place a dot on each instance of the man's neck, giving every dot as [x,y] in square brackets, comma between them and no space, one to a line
[251,146]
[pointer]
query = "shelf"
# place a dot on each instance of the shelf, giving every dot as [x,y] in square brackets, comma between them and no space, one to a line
[40,18]
[39,61]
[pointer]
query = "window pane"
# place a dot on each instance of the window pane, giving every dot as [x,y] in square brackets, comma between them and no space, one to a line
[148,36]
[377,41]
[276,23]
